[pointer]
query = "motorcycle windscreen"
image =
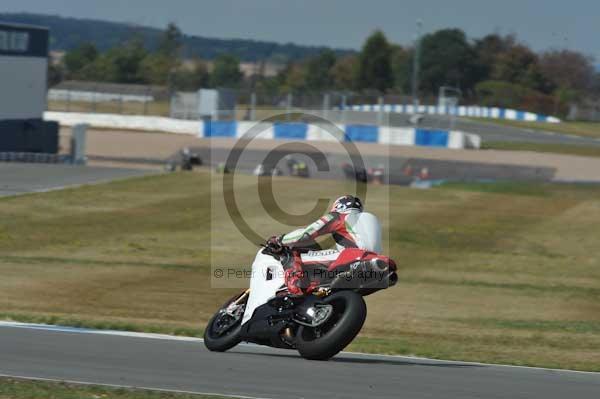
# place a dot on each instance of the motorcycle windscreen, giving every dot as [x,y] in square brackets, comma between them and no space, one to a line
[267,278]
[367,230]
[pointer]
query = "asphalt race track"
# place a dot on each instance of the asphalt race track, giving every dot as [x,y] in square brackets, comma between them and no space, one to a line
[21,178]
[182,364]
[394,166]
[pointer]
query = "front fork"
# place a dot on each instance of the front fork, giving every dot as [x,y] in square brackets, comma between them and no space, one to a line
[242,297]
[235,305]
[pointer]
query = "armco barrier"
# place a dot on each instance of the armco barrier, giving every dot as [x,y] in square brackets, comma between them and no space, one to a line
[466,111]
[283,130]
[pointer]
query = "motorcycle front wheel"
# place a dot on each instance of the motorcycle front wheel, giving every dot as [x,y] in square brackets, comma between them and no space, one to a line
[345,322]
[223,329]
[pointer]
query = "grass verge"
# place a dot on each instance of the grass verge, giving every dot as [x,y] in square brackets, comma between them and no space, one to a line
[13,388]
[566,149]
[501,273]
[583,129]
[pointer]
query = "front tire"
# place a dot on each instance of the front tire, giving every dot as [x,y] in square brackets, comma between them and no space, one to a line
[220,338]
[327,340]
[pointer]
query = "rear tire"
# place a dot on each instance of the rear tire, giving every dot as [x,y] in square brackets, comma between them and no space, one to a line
[216,342]
[327,340]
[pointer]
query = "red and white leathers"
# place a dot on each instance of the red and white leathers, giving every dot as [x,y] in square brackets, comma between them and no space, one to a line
[346,229]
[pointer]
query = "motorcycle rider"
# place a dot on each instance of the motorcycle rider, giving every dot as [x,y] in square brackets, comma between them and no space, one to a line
[341,222]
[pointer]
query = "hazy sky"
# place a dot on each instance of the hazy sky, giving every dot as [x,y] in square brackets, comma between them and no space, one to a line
[542,24]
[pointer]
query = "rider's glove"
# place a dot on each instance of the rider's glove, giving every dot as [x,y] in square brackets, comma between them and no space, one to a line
[274,244]
[293,280]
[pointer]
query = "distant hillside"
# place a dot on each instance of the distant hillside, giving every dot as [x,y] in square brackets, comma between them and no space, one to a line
[67,33]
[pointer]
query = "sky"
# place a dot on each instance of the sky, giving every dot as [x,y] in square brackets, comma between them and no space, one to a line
[542,24]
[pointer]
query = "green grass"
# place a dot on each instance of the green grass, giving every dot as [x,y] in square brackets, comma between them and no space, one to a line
[11,388]
[574,326]
[566,149]
[503,273]
[503,187]
[584,129]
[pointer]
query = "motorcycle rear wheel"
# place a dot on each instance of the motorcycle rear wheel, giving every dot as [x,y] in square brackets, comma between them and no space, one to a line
[216,340]
[327,340]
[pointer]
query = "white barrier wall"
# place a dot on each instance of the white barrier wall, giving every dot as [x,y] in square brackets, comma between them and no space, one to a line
[92,96]
[132,122]
[472,111]
[295,131]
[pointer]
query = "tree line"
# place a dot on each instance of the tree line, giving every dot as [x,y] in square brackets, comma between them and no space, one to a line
[67,33]
[495,70]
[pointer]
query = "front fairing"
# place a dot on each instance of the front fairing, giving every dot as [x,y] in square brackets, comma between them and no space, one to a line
[267,277]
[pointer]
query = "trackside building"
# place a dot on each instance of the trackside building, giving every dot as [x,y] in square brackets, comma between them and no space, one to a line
[23,89]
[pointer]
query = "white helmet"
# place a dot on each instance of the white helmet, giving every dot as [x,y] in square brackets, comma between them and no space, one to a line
[346,204]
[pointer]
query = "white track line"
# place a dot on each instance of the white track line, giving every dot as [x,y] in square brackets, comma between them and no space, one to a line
[87,383]
[49,327]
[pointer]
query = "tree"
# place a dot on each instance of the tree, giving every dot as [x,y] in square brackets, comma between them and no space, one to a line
[488,49]
[319,71]
[568,69]
[226,72]
[102,69]
[344,72]
[294,78]
[374,68]
[595,86]
[55,74]
[161,67]
[494,93]
[270,86]
[447,59]
[511,95]
[401,68]
[127,60]
[155,69]
[171,42]
[191,77]
[78,58]
[520,65]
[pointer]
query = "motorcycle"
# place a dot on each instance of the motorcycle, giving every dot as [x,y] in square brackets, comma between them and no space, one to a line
[297,167]
[318,325]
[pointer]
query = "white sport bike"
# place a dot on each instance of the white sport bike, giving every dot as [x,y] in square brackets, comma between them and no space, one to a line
[318,325]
